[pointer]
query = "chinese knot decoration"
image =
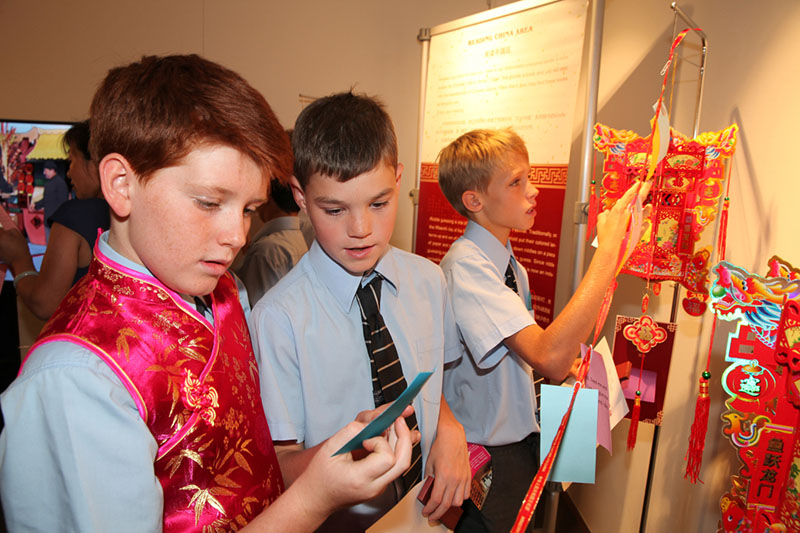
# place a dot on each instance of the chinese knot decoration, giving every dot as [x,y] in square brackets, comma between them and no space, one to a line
[645,333]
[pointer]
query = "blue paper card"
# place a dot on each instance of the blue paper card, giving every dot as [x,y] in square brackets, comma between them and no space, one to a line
[576,457]
[385,419]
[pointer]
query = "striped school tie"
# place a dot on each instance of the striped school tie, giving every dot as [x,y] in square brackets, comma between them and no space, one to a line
[387,373]
[511,283]
[511,277]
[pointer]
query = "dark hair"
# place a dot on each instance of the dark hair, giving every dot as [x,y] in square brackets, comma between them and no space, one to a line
[342,136]
[155,111]
[282,195]
[77,138]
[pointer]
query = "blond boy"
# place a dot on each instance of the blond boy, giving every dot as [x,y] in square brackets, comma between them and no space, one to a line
[485,176]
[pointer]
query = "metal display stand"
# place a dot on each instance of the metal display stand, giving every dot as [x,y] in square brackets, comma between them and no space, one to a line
[597,8]
[679,14]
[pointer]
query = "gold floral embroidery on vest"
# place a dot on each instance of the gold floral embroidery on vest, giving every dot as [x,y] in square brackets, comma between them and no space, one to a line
[122,342]
[193,348]
[109,274]
[222,470]
[200,498]
[123,290]
[200,397]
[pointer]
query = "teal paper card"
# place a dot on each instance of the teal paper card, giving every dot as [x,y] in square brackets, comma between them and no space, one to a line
[385,419]
[577,455]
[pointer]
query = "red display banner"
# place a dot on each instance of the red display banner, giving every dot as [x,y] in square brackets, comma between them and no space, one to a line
[438,225]
[762,415]
[761,423]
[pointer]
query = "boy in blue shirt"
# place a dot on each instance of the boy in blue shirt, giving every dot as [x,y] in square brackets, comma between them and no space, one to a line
[309,330]
[484,176]
[138,407]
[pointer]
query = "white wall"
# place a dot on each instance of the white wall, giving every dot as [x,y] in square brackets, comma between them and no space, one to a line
[751,77]
[55,53]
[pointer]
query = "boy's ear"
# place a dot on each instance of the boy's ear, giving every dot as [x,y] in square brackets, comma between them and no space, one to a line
[116,179]
[399,175]
[472,201]
[299,195]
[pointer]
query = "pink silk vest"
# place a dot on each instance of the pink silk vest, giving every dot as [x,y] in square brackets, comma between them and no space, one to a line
[195,384]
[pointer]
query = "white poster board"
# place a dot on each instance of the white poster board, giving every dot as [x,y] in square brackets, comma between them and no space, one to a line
[516,66]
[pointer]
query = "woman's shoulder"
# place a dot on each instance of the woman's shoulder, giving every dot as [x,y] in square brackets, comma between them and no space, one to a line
[83,216]
[80,208]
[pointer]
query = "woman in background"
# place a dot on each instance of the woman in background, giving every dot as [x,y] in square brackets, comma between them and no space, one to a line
[74,231]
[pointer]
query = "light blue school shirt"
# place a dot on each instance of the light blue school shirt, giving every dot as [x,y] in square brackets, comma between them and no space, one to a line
[490,391]
[75,454]
[309,342]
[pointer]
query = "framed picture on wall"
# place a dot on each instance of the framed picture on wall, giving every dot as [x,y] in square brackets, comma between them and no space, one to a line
[31,155]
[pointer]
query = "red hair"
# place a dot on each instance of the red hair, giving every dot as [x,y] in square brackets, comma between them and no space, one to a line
[157,110]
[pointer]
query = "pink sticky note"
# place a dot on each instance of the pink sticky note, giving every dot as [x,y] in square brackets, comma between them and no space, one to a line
[648,385]
[597,378]
[34,226]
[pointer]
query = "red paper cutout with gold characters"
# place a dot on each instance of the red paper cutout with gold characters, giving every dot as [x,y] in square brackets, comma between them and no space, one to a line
[761,423]
[762,415]
[687,185]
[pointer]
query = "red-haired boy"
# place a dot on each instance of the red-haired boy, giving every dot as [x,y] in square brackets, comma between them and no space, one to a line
[138,408]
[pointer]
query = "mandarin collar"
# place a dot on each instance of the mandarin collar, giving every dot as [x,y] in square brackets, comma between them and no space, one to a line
[112,254]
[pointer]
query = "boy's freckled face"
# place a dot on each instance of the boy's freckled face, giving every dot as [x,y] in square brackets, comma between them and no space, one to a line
[510,199]
[188,221]
[354,220]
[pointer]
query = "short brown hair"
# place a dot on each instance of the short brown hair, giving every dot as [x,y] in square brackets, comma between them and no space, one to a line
[342,136]
[156,110]
[469,162]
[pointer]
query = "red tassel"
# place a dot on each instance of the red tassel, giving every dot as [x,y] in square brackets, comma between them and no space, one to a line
[637,406]
[697,438]
[592,222]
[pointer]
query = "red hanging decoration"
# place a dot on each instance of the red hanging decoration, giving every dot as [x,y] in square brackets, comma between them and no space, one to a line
[592,222]
[697,439]
[697,434]
[634,429]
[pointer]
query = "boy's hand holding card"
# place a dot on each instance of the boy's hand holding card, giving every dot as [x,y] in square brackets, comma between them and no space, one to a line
[382,422]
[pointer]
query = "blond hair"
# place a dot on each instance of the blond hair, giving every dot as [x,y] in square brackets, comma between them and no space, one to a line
[469,162]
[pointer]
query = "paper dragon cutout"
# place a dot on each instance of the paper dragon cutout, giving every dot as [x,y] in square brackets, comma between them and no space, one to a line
[758,301]
[762,382]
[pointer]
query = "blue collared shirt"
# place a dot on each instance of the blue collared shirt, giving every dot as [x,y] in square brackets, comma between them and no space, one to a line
[75,454]
[491,391]
[309,342]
